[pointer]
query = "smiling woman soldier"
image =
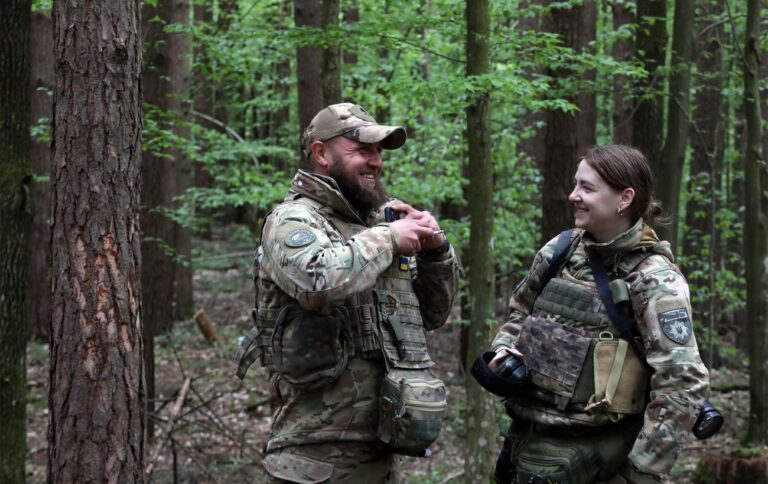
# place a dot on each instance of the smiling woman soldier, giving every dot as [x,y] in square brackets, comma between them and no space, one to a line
[615,378]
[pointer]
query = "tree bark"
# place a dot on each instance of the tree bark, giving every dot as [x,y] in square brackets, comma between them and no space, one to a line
[179,78]
[651,40]
[755,233]
[481,414]
[96,400]
[349,57]
[623,50]
[701,240]
[202,95]
[159,183]
[164,82]
[330,75]
[15,224]
[586,100]
[670,167]
[38,307]
[318,72]
[567,135]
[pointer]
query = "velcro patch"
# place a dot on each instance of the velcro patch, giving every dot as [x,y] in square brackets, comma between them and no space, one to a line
[299,238]
[676,325]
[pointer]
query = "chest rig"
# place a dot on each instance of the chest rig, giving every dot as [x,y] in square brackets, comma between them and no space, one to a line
[578,362]
[384,321]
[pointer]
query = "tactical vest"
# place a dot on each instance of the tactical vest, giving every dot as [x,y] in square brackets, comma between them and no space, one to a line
[582,372]
[384,321]
[381,323]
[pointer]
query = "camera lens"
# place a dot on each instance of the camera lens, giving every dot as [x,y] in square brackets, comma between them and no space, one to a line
[708,423]
[513,370]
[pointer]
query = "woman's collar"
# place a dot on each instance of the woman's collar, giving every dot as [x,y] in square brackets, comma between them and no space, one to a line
[624,241]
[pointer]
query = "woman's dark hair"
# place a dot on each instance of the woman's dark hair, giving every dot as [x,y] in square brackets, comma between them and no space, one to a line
[623,167]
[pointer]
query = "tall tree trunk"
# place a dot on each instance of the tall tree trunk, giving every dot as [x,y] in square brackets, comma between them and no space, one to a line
[670,167]
[179,79]
[15,224]
[38,307]
[567,135]
[280,129]
[330,74]
[385,70]
[318,71]
[701,241]
[159,183]
[481,412]
[755,233]
[651,41]
[164,72]
[586,100]
[203,96]
[349,56]
[623,50]
[535,146]
[96,400]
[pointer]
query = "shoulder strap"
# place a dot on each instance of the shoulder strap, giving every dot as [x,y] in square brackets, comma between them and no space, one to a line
[620,321]
[558,257]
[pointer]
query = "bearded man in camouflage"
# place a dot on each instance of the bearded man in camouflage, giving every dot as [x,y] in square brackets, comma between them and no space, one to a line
[347,281]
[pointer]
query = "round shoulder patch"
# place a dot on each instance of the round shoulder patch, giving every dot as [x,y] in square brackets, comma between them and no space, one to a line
[676,325]
[299,238]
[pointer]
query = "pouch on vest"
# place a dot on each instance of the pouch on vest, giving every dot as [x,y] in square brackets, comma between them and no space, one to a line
[620,379]
[404,342]
[555,355]
[411,409]
[311,349]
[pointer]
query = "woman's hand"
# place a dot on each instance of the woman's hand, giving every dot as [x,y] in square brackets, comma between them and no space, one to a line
[501,355]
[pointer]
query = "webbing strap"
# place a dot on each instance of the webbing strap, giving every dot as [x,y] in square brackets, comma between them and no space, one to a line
[621,322]
[616,368]
[558,257]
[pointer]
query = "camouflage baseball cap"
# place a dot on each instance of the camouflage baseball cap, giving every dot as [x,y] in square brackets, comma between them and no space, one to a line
[353,122]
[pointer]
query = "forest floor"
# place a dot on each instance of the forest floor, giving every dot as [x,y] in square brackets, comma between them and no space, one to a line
[221,430]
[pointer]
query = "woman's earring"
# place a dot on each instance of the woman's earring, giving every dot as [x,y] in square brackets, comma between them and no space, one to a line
[619,211]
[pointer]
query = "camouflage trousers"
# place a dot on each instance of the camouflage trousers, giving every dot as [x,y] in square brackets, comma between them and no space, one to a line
[536,453]
[342,462]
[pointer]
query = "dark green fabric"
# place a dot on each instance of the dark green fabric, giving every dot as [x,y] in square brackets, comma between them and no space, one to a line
[572,302]
[541,456]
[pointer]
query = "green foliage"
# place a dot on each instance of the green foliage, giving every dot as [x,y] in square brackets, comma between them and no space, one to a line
[408,69]
[41,130]
[43,6]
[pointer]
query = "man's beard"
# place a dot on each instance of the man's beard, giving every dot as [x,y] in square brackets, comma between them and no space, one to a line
[362,198]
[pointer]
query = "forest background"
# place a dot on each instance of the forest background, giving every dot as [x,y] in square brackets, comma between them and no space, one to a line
[499,100]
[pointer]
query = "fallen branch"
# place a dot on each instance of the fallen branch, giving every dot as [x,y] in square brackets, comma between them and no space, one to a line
[175,411]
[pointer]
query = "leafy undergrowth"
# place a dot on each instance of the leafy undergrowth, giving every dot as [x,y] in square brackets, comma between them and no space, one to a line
[220,432]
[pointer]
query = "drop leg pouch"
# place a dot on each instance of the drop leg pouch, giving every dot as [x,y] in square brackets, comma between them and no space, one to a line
[411,409]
